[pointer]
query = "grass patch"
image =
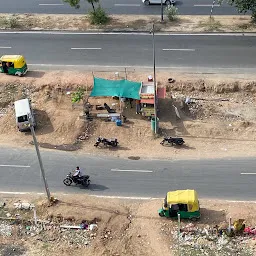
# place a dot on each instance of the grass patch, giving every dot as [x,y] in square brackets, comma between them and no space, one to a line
[211,25]
[246,26]
[9,22]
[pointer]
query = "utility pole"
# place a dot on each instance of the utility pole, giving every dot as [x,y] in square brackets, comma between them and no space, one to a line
[155,88]
[39,157]
[213,3]
[162,11]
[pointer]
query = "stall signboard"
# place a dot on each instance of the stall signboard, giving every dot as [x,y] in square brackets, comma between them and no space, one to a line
[147,96]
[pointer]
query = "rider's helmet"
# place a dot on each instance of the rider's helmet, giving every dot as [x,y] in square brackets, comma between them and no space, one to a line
[77,168]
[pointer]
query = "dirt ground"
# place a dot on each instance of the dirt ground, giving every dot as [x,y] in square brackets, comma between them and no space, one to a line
[185,23]
[220,123]
[125,227]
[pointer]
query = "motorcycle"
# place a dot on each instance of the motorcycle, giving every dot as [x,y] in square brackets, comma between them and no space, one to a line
[172,141]
[83,180]
[106,142]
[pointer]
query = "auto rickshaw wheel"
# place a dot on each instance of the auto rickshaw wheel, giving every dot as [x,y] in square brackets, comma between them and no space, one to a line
[161,214]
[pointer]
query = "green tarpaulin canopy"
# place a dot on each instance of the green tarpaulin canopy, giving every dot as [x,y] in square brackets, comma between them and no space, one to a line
[119,88]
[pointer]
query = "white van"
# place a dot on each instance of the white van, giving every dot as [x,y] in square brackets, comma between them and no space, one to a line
[22,111]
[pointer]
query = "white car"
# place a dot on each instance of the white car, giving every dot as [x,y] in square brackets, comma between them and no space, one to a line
[167,2]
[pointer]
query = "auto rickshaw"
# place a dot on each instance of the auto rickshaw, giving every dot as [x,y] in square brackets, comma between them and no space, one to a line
[184,202]
[13,65]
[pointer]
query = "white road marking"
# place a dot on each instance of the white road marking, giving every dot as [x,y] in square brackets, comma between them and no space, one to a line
[206,5]
[248,173]
[5,47]
[86,48]
[117,197]
[50,4]
[118,170]
[139,67]
[128,197]
[185,50]
[14,193]
[126,33]
[15,166]
[128,5]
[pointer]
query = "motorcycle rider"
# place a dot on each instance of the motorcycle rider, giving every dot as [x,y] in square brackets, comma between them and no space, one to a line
[77,173]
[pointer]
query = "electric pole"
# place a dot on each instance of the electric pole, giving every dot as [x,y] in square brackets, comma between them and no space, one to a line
[162,11]
[213,3]
[31,126]
[155,87]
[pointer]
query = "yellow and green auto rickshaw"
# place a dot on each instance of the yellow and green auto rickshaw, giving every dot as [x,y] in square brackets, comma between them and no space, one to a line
[184,202]
[13,65]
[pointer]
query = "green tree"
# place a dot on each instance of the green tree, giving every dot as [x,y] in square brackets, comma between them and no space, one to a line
[98,16]
[75,3]
[243,6]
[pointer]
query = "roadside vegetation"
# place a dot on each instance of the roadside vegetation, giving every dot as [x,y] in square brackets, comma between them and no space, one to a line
[211,25]
[182,23]
[171,12]
[9,22]
[243,6]
[97,16]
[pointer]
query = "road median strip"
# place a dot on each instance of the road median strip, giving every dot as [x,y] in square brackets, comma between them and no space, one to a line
[128,23]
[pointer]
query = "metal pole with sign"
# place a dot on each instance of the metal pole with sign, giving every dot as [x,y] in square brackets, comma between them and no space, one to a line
[39,158]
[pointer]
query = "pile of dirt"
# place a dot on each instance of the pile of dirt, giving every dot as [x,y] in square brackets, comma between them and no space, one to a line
[124,227]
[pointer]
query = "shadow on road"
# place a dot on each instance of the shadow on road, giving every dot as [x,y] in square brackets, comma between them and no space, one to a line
[183,147]
[95,187]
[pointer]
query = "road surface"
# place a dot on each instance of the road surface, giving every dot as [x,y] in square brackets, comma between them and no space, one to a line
[206,53]
[222,179]
[187,7]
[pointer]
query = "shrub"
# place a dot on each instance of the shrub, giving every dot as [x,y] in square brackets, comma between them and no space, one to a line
[171,12]
[78,95]
[99,16]
[12,22]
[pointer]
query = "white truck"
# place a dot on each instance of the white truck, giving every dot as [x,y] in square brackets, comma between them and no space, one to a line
[23,111]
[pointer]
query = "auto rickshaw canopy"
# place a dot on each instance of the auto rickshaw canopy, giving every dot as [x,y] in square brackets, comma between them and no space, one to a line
[188,197]
[17,60]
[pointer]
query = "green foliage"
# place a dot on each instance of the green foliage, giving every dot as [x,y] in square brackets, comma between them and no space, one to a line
[92,2]
[12,22]
[73,3]
[98,16]
[171,12]
[243,6]
[76,3]
[78,95]
[9,22]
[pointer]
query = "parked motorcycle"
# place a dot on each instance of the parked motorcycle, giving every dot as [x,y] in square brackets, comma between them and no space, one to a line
[83,180]
[106,142]
[172,141]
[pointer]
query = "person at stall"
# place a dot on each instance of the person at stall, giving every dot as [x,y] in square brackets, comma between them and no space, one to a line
[138,107]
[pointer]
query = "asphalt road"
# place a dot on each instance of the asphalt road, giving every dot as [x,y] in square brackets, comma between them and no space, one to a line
[196,52]
[187,7]
[212,178]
